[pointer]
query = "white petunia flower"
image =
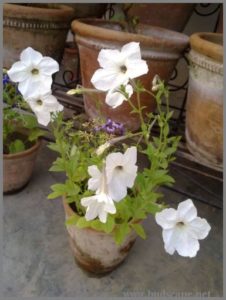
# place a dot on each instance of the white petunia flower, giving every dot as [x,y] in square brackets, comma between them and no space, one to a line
[100,204]
[43,106]
[121,172]
[33,73]
[115,98]
[182,229]
[117,67]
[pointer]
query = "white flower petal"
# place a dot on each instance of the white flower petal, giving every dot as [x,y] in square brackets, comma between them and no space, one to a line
[136,68]
[199,228]
[130,155]
[106,79]
[30,56]
[112,161]
[94,182]
[180,241]
[132,50]
[48,66]
[18,72]
[187,211]
[43,118]
[115,98]
[167,218]
[117,189]
[108,58]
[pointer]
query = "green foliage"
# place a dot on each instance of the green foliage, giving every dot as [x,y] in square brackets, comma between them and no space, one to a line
[77,151]
[20,130]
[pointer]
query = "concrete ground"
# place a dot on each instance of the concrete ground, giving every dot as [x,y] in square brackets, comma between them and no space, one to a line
[38,260]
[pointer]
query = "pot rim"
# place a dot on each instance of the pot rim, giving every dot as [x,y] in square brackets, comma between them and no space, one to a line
[24,153]
[201,42]
[171,38]
[17,11]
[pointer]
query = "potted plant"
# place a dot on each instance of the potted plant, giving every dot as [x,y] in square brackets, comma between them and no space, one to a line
[21,132]
[106,195]
[161,48]
[41,26]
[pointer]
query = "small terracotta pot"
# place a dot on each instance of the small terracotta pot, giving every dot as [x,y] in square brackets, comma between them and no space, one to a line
[44,29]
[161,49]
[204,114]
[18,168]
[173,16]
[96,251]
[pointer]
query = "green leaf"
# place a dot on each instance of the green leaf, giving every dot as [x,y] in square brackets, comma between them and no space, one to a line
[121,232]
[30,121]
[82,223]
[139,230]
[72,220]
[58,165]
[59,189]
[35,134]
[54,147]
[109,225]
[16,146]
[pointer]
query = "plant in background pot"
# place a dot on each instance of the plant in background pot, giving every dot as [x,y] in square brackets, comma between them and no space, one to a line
[107,194]
[21,130]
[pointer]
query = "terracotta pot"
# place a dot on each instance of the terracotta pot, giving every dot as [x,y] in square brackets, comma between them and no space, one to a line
[18,168]
[204,115]
[86,10]
[172,16]
[96,251]
[44,29]
[161,49]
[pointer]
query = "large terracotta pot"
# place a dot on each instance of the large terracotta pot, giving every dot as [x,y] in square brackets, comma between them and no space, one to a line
[96,251]
[42,28]
[18,168]
[172,16]
[161,49]
[204,115]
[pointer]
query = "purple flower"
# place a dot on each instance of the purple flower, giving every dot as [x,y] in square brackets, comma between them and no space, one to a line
[6,79]
[112,127]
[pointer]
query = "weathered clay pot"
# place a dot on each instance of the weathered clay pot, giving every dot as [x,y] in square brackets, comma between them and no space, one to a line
[18,168]
[204,115]
[173,16]
[161,49]
[96,251]
[44,29]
